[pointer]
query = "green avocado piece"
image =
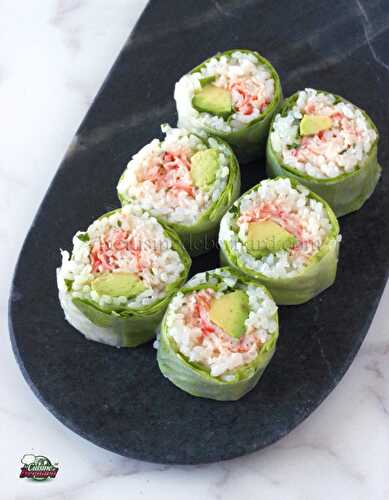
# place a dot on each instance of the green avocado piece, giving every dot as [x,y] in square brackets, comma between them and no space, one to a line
[230,311]
[313,124]
[214,100]
[204,165]
[118,284]
[266,237]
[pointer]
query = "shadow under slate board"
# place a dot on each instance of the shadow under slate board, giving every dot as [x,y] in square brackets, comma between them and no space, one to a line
[117,398]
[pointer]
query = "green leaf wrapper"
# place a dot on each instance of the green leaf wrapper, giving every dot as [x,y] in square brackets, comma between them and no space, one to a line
[124,326]
[317,274]
[345,193]
[249,141]
[196,379]
[201,237]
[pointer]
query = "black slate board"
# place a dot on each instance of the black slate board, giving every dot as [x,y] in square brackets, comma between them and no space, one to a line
[117,398]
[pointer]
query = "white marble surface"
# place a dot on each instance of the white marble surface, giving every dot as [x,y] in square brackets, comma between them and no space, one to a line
[54,55]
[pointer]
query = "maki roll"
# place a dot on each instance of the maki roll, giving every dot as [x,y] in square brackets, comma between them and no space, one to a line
[284,236]
[117,282]
[185,181]
[232,95]
[218,335]
[327,144]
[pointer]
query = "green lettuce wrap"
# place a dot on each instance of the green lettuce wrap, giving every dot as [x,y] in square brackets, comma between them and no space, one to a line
[116,284]
[218,335]
[232,95]
[285,237]
[187,182]
[338,162]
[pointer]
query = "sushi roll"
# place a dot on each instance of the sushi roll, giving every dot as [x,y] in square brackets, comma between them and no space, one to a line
[284,236]
[117,282]
[185,181]
[218,335]
[233,95]
[327,144]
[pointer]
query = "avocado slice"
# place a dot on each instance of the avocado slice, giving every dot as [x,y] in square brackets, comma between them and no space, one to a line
[266,237]
[204,165]
[313,124]
[118,284]
[230,311]
[214,100]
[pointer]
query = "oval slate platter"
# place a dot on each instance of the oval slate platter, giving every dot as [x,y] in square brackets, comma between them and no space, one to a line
[117,398]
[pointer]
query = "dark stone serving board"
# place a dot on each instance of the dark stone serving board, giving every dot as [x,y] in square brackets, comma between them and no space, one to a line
[117,398]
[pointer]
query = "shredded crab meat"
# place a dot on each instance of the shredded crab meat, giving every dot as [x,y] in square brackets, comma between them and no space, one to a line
[329,143]
[171,172]
[116,249]
[247,95]
[196,315]
[249,83]
[290,221]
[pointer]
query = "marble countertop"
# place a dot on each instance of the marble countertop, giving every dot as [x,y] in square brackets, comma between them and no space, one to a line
[54,57]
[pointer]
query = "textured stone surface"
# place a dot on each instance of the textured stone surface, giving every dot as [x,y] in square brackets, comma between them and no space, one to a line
[117,398]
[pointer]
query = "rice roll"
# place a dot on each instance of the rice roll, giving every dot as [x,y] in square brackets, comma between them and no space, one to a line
[185,181]
[218,335]
[115,285]
[329,145]
[285,237]
[232,95]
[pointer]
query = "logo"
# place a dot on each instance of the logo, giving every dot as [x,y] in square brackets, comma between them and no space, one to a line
[38,467]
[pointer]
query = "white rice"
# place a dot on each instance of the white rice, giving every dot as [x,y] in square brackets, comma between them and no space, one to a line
[181,208]
[337,150]
[160,264]
[239,68]
[299,210]
[217,351]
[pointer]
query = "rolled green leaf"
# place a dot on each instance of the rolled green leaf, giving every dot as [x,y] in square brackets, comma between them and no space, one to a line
[232,95]
[285,237]
[185,181]
[116,284]
[218,335]
[339,162]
